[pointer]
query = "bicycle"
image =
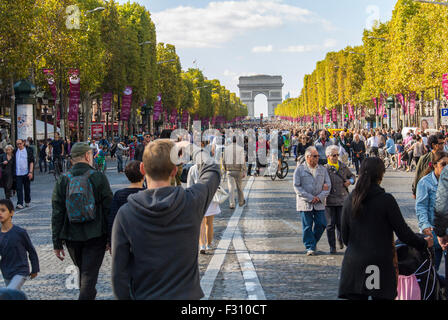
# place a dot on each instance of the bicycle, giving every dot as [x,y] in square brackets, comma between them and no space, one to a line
[276,172]
[58,167]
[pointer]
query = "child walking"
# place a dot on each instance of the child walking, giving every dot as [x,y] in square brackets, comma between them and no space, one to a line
[14,245]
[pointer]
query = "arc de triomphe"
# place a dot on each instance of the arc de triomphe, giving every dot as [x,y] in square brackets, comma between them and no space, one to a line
[270,86]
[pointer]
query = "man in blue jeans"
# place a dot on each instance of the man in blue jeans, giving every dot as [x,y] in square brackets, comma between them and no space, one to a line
[312,185]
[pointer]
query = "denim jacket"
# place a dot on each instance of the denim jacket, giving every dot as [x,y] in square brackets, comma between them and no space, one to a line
[307,187]
[441,207]
[426,201]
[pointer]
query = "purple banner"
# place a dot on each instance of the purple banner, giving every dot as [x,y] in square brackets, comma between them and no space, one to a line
[185,117]
[106,102]
[126,104]
[75,94]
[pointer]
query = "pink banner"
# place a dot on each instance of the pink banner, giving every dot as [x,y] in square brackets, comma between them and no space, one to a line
[351,112]
[363,112]
[126,104]
[412,103]
[375,103]
[445,84]
[106,102]
[49,75]
[75,94]
[334,115]
[185,117]
[173,118]
[321,119]
[158,107]
[327,116]
[400,98]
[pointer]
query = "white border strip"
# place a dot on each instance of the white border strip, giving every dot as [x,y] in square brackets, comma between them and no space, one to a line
[213,268]
[253,285]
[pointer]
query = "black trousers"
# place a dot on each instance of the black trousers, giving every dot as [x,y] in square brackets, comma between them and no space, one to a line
[334,218]
[88,257]
[357,162]
[23,184]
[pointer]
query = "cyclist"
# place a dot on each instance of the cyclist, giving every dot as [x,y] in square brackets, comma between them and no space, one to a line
[280,150]
[101,159]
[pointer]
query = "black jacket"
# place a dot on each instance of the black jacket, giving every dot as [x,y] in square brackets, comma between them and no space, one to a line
[8,171]
[139,152]
[369,239]
[358,148]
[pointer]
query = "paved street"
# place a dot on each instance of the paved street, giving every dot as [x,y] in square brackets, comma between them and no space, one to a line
[258,250]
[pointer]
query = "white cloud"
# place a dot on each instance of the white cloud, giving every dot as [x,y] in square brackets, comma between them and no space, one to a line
[328,43]
[220,22]
[260,49]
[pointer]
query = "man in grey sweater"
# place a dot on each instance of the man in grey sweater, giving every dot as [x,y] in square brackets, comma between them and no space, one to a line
[155,235]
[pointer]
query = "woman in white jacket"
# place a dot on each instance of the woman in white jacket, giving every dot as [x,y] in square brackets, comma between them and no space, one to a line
[206,234]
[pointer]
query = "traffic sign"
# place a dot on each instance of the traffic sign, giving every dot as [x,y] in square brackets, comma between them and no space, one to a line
[444,119]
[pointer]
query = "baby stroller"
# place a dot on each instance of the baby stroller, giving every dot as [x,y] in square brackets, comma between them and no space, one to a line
[414,265]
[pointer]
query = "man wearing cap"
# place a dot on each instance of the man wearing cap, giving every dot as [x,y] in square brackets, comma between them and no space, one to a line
[85,241]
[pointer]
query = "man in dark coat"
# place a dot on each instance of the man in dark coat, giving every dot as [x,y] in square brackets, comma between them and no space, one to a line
[24,172]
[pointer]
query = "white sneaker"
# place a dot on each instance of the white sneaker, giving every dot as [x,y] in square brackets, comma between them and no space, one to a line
[310,253]
[27,205]
[19,206]
[208,247]
[202,250]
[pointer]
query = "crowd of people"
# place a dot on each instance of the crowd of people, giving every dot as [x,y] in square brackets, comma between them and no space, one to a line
[157,220]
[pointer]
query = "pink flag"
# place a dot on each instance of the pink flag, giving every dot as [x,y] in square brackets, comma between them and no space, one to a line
[412,103]
[126,104]
[445,84]
[75,94]
[106,102]
[49,74]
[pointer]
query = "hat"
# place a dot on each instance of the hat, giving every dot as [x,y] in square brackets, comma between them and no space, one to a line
[79,149]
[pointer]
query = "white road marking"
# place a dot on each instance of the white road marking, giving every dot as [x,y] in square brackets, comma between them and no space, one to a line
[253,285]
[295,228]
[213,268]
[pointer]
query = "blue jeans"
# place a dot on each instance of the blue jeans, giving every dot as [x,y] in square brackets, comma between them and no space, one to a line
[119,163]
[311,236]
[438,252]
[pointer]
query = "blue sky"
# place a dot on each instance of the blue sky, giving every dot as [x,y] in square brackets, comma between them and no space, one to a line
[229,39]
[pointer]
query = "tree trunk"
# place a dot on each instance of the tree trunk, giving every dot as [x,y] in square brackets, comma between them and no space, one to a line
[13,112]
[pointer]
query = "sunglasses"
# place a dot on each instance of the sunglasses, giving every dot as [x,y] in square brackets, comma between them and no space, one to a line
[314,156]
[335,155]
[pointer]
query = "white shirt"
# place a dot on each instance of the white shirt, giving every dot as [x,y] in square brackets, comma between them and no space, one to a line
[21,162]
[372,142]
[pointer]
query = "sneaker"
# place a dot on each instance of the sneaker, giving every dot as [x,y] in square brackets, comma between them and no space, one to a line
[310,253]
[232,207]
[19,206]
[208,247]
[202,250]
[27,205]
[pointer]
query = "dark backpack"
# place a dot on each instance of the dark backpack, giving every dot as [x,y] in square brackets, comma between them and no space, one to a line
[80,200]
[185,169]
